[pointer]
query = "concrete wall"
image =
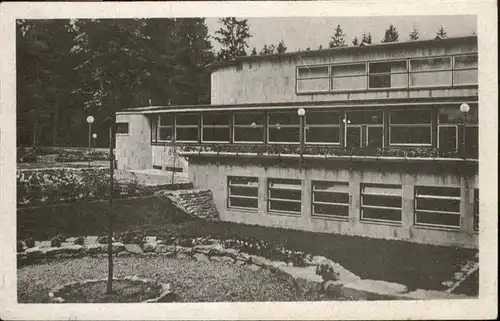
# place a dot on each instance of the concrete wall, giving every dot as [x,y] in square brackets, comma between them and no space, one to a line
[133,150]
[272,81]
[213,176]
[163,156]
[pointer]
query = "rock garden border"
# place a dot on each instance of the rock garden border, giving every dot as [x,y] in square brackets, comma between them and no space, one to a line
[316,273]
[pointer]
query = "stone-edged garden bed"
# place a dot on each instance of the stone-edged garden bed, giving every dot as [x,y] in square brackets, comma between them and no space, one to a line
[306,273]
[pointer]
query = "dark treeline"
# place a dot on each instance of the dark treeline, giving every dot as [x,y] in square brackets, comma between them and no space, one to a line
[69,69]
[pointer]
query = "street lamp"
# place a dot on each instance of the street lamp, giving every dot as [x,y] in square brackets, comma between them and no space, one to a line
[90,120]
[301,112]
[464,108]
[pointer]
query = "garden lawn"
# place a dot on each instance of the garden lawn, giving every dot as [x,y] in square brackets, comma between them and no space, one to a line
[191,281]
[414,265]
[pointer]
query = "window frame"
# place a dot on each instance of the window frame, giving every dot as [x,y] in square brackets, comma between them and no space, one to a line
[462,69]
[197,126]
[405,72]
[269,127]
[298,78]
[262,127]
[230,196]
[429,125]
[308,126]
[314,202]
[363,206]
[364,75]
[203,126]
[270,199]
[159,126]
[411,72]
[118,123]
[438,212]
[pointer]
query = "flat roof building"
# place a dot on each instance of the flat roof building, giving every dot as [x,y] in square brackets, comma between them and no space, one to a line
[378,140]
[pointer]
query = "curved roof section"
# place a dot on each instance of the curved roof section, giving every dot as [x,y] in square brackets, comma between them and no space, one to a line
[330,51]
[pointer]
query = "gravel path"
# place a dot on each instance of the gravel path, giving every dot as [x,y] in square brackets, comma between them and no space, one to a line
[192,281]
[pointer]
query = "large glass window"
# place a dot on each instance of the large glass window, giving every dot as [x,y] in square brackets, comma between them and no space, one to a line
[312,79]
[186,128]
[410,128]
[215,128]
[465,70]
[330,199]
[388,74]
[249,127]
[285,195]
[451,130]
[348,77]
[323,127]
[367,124]
[243,192]
[284,127]
[165,128]
[430,72]
[437,206]
[381,202]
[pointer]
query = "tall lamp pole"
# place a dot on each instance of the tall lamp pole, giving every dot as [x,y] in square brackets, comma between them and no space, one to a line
[90,120]
[464,108]
[301,112]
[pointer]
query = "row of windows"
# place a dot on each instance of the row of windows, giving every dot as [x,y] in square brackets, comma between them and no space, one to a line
[434,206]
[404,73]
[411,127]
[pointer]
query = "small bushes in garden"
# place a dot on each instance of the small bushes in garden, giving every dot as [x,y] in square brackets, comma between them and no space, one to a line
[20,246]
[326,271]
[131,237]
[55,242]
[104,239]
[30,242]
[79,240]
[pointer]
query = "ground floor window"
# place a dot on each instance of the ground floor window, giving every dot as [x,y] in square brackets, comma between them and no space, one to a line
[248,127]
[285,195]
[410,127]
[381,202]
[243,192]
[437,206]
[330,199]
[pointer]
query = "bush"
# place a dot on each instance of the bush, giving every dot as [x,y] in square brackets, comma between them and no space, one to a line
[326,271]
[130,237]
[30,242]
[79,240]
[20,246]
[104,239]
[55,242]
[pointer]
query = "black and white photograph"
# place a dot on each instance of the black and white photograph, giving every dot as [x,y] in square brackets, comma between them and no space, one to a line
[227,156]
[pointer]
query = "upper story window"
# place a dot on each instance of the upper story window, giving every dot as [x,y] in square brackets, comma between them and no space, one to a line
[312,79]
[186,128]
[388,74]
[249,127]
[348,76]
[215,128]
[283,127]
[410,128]
[323,127]
[465,69]
[428,72]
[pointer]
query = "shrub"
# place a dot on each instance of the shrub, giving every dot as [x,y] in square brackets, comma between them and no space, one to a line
[104,239]
[20,246]
[79,240]
[30,242]
[55,242]
[326,271]
[61,237]
[131,237]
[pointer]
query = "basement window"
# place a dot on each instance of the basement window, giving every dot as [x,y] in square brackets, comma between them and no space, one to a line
[437,206]
[243,192]
[330,199]
[285,195]
[381,203]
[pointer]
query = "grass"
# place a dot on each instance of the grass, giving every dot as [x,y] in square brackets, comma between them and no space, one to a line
[190,280]
[414,265]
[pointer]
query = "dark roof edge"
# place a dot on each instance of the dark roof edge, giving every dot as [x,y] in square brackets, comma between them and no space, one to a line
[312,53]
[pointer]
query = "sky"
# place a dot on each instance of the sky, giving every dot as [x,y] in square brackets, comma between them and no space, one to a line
[302,32]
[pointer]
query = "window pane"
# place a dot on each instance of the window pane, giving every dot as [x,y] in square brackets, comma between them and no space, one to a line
[243,202]
[387,67]
[331,186]
[243,191]
[411,117]
[284,119]
[331,197]
[445,205]
[187,119]
[166,120]
[353,137]
[476,209]
[154,129]
[313,72]
[284,206]
[382,190]
[285,194]
[430,64]
[447,139]
[375,136]
[122,128]
[452,220]
[438,191]
[410,135]
[216,134]
[165,133]
[187,134]
[365,117]
[351,82]
[285,183]
[466,62]
[249,118]
[450,115]
[389,80]
[248,134]
[346,70]
[323,134]
[386,201]
[325,209]
[216,119]
[472,141]
[242,180]
[465,77]
[381,214]
[323,118]
[284,135]
[306,85]
[434,78]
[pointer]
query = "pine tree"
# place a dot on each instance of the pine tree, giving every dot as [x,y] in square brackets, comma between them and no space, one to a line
[338,38]
[355,41]
[367,39]
[281,47]
[254,52]
[441,33]
[391,35]
[267,50]
[320,47]
[414,35]
[233,37]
